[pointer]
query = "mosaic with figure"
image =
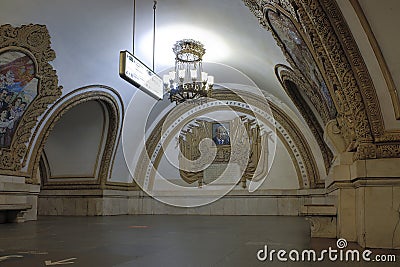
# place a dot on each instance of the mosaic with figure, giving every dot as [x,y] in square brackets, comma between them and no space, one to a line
[18,88]
[301,55]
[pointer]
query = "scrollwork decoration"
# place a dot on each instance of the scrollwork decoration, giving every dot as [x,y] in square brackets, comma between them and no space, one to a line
[32,41]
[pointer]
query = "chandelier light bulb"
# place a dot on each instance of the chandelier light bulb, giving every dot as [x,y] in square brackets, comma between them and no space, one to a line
[172,75]
[181,74]
[193,74]
[166,79]
[204,76]
[210,80]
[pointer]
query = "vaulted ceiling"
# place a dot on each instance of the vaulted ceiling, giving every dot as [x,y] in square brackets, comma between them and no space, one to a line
[88,35]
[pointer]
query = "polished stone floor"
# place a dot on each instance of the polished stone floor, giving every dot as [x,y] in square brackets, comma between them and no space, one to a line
[161,240]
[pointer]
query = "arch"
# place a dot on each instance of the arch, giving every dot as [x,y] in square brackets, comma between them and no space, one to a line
[293,87]
[44,168]
[34,42]
[112,106]
[75,145]
[288,132]
[298,148]
[334,49]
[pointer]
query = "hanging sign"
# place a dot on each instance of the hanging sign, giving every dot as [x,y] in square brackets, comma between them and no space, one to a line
[135,72]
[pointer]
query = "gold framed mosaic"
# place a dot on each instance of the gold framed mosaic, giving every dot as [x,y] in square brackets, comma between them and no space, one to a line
[350,85]
[28,84]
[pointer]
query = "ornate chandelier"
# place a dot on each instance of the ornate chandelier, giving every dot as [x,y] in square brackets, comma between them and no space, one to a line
[188,80]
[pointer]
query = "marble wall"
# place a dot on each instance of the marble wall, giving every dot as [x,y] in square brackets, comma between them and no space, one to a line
[113,202]
[18,201]
[368,201]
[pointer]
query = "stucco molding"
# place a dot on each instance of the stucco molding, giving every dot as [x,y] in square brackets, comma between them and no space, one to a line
[285,74]
[33,41]
[335,50]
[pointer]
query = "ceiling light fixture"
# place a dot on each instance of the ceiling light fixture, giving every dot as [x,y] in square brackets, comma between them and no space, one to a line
[188,80]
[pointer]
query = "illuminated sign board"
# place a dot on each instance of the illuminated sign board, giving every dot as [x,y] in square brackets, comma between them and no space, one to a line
[135,72]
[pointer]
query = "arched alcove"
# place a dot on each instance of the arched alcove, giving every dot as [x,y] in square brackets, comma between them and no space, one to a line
[74,150]
[74,147]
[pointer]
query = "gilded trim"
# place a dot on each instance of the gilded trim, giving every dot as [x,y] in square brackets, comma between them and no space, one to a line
[34,41]
[359,113]
[285,74]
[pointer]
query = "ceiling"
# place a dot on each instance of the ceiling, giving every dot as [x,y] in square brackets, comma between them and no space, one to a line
[88,35]
[383,18]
